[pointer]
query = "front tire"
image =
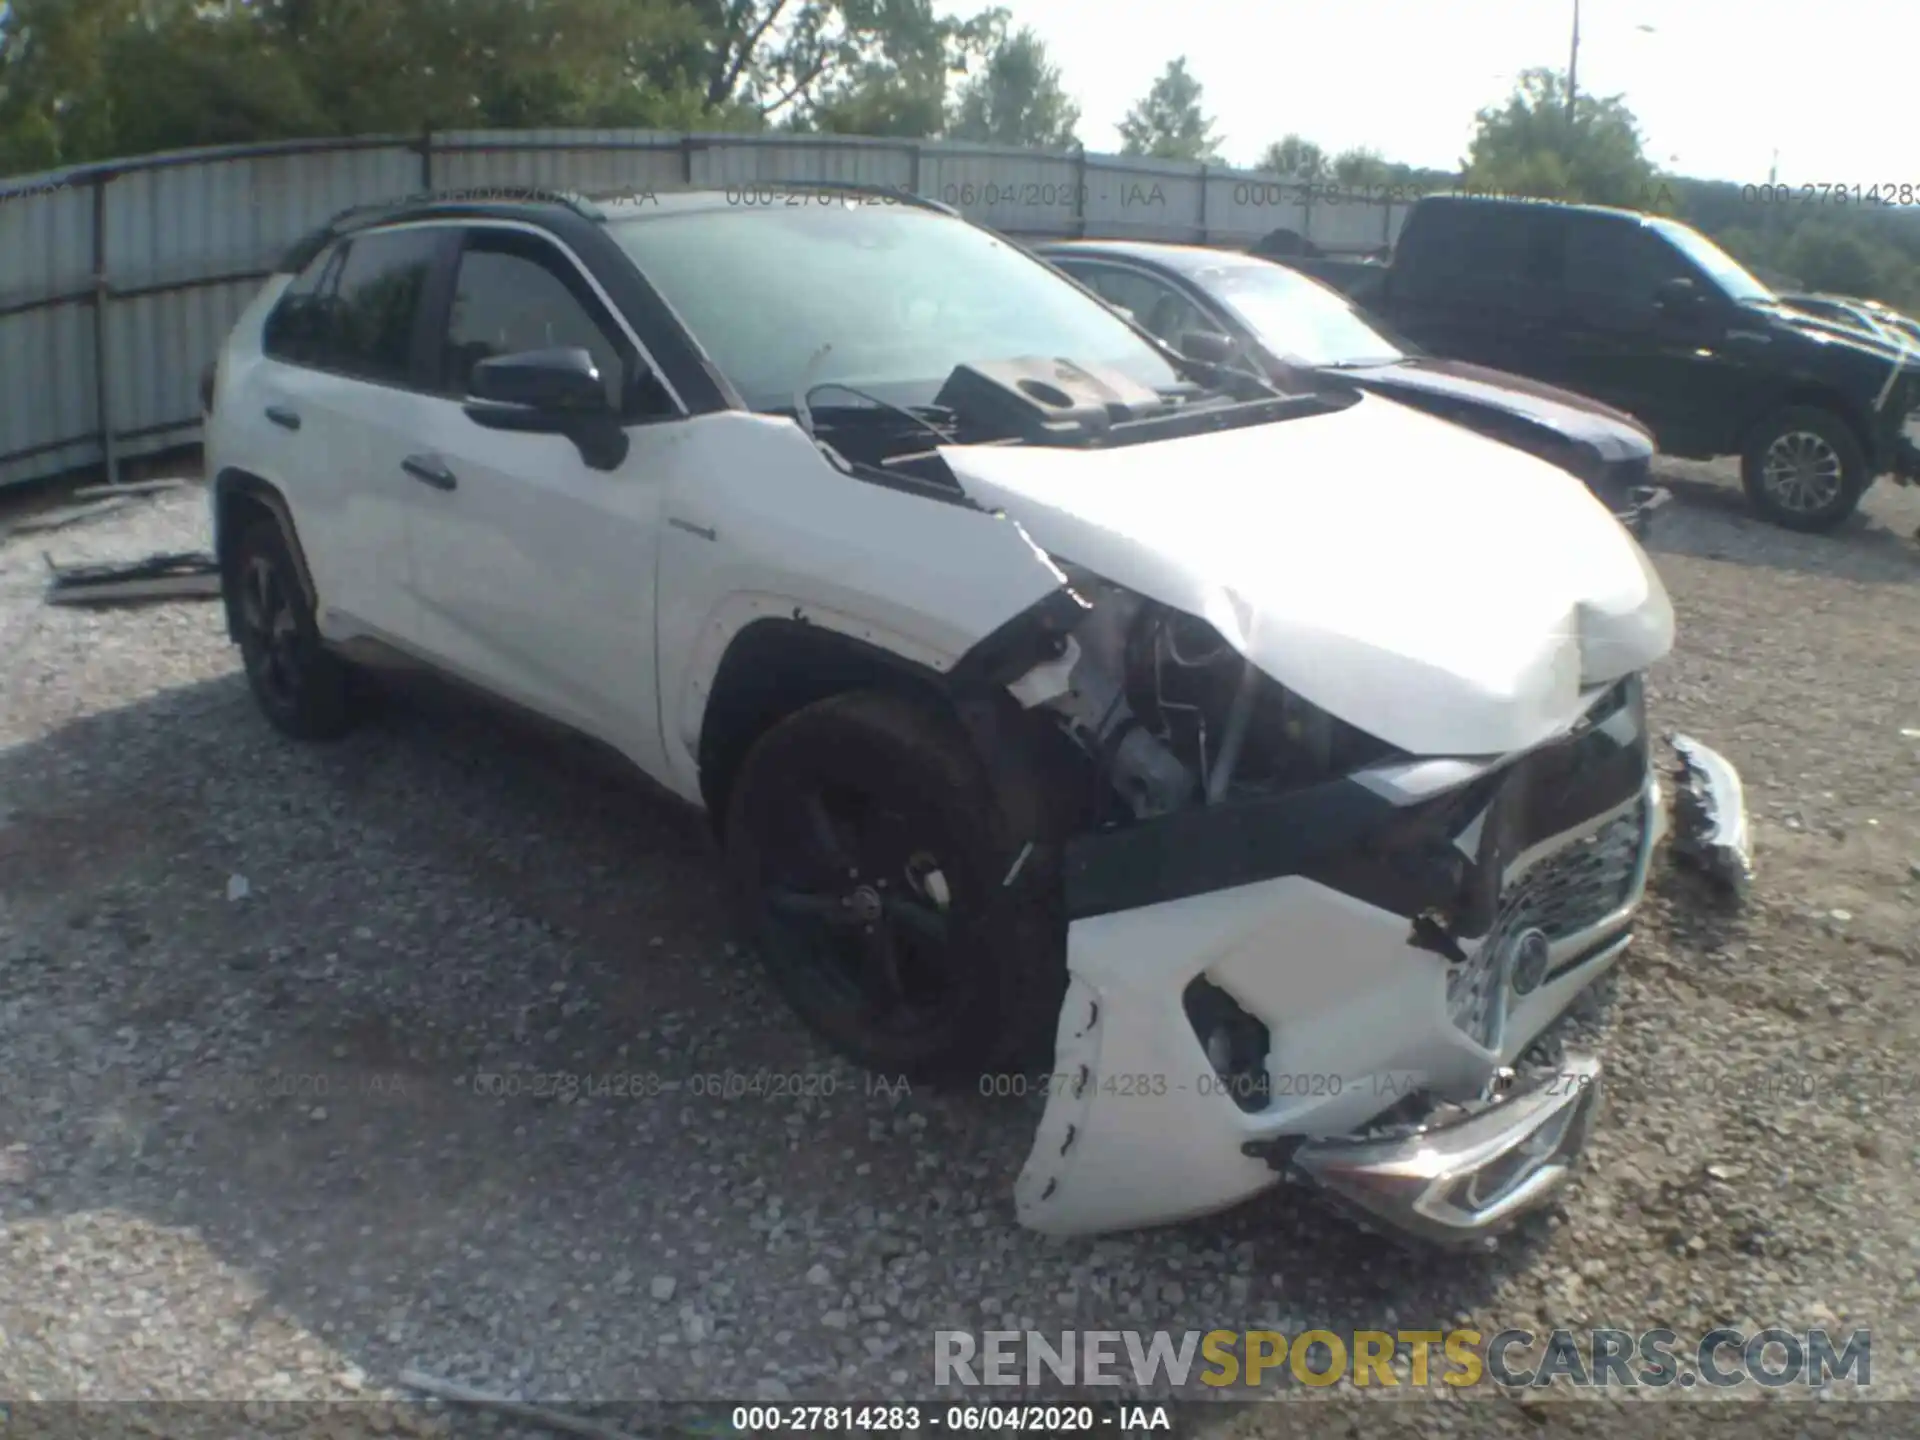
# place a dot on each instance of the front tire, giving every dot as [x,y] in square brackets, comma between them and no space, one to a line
[867,845]
[303,690]
[1804,470]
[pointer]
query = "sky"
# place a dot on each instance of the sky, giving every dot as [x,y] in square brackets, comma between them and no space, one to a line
[1717,87]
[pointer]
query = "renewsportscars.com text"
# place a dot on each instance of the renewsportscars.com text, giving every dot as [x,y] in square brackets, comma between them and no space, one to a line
[1773,1358]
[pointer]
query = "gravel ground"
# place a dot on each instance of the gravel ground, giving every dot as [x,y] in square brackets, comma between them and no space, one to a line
[272,1018]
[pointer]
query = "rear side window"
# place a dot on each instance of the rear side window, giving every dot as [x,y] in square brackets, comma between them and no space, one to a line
[376,300]
[356,307]
[1485,248]
[295,331]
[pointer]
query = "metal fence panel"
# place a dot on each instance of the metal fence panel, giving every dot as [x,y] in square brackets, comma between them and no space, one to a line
[1243,207]
[159,343]
[1021,192]
[1339,221]
[557,159]
[46,241]
[193,222]
[120,280]
[796,160]
[48,422]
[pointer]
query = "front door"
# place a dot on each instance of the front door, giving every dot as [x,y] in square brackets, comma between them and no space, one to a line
[534,571]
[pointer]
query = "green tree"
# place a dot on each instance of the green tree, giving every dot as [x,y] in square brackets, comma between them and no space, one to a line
[1295,157]
[1017,99]
[903,102]
[1833,256]
[90,79]
[1532,145]
[812,64]
[1362,169]
[1169,124]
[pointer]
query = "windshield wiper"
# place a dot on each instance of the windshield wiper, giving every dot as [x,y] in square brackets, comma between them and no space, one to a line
[1202,369]
[924,416]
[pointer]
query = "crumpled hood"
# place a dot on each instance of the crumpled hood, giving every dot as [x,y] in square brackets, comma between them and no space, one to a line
[1448,594]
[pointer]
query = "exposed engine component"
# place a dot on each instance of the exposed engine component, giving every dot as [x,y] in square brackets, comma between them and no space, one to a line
[1170,713]
[1086,688]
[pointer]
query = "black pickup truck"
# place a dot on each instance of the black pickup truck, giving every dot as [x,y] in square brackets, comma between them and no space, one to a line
[1650,316]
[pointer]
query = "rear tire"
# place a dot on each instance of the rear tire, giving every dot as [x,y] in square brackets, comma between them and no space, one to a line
[1804,470]
[302,689]
[870,851]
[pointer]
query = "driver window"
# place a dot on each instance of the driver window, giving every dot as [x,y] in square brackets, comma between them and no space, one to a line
[509,297]
[1159,308]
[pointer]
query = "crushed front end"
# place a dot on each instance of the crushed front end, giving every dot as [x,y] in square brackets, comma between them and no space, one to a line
[1357,800]
[1304,954]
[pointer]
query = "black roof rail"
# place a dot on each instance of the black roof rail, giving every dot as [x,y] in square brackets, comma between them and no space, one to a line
[310,245]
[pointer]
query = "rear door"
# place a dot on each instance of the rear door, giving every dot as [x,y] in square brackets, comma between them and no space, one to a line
[1480,284]
[348,351]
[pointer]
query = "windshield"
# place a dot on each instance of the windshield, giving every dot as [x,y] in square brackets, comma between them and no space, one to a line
[898,296]
[1725,271]
[1298,317]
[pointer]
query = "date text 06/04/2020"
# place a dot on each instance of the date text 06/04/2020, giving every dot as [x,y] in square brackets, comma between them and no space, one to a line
[1047,1419]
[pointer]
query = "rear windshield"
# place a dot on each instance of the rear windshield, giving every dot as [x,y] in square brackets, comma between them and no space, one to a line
[884,297]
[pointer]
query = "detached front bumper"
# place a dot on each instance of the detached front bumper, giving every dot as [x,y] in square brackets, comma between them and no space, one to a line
[1214,1040]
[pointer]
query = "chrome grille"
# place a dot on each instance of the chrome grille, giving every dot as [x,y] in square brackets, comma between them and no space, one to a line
[1578,887]
[1476,993]
[1568,891]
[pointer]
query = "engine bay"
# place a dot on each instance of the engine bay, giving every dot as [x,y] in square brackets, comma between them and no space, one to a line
[1169,714]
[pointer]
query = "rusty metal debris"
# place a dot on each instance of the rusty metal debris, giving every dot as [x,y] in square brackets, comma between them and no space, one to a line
[1711,831]
[192,575]
[457,1394]
[72,514]
[131,487]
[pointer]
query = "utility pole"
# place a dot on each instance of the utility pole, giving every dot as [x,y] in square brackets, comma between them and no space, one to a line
[1573,61]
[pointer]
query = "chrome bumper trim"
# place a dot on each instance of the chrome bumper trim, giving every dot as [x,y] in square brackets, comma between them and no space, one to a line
[1464,1183]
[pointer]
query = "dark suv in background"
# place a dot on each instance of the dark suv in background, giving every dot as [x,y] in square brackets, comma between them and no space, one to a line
[1650,316]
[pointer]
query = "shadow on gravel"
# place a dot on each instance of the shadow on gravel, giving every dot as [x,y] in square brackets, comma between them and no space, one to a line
[1711,521]
[431,1084]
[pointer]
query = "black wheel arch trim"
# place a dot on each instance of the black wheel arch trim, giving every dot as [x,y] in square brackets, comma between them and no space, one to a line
[234,484]
[747,697]
[1873,446]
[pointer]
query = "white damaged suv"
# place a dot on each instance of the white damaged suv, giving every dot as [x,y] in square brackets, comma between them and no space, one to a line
[1255,776]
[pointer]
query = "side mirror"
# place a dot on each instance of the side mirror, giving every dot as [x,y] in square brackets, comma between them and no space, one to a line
[562,382]
[1208,346]
[550,392]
